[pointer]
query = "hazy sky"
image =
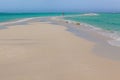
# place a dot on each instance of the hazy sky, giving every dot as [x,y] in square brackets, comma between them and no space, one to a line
[59,5]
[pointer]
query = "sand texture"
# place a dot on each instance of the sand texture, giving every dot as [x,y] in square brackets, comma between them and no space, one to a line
[42,51]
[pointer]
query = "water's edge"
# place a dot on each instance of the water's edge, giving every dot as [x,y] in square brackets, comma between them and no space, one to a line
[102,47]
[114,37]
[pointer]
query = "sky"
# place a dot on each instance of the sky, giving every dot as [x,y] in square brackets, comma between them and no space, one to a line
[59,5]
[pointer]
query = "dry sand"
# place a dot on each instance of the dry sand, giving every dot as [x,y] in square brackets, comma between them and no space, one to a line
[41,51]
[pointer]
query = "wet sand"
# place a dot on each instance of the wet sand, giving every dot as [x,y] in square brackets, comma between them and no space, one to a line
[43,51]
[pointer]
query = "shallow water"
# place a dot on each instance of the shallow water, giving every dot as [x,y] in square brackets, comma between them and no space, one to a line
[107,24]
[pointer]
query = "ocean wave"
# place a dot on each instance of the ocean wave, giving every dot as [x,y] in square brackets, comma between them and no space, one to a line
[114,43]
[19,21]
[113,35]
[90,14]
[87,14]
[116,39]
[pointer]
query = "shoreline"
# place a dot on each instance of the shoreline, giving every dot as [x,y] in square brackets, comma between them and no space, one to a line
[114,39]
[102,47]
[82,31]
[112,35]
[59,19]
[50,50]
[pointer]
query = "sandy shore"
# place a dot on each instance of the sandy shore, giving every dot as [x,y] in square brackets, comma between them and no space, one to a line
[42,51]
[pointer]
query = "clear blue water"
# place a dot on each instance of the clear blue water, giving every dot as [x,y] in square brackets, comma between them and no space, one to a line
[13,16]
[109,23]
[105,21]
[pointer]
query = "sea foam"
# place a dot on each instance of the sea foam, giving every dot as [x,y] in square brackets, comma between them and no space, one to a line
[90,14]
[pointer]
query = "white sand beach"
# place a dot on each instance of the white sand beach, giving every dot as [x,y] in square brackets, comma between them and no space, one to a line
[42,51]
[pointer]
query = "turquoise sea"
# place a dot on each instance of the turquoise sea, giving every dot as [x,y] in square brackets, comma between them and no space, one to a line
[14,16]
[105,21]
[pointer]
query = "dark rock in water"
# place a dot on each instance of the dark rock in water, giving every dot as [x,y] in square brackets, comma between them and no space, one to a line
[66,22]
[77,23]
